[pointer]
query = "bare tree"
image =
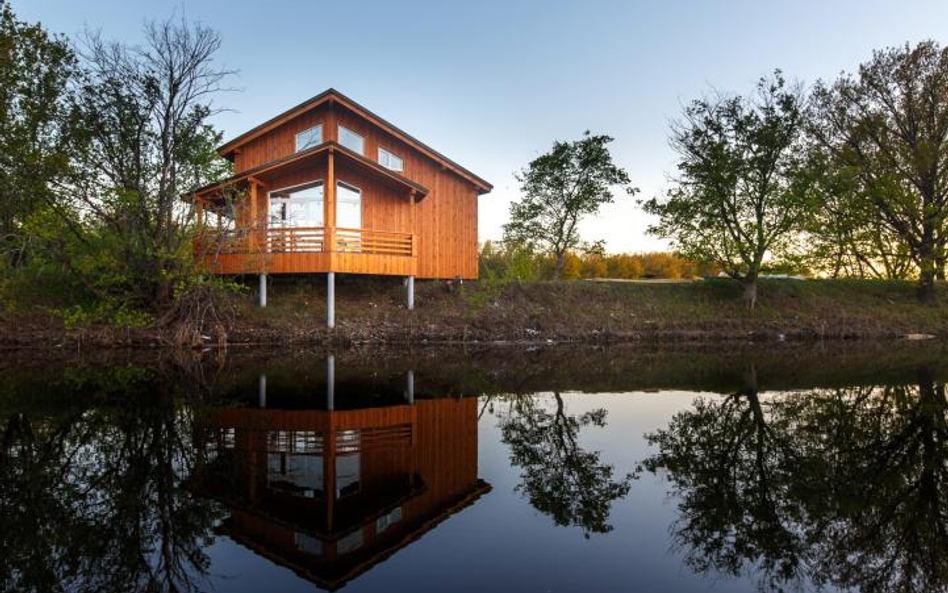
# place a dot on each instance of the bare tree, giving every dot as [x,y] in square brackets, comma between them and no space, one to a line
[144,111]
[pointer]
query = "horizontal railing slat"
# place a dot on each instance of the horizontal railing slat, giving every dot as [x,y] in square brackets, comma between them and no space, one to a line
[305,240]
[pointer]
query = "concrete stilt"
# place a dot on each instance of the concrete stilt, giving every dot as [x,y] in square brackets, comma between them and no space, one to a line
[331,300]
[262,391]
[263,290]
[411,293]
[410,387]
[331,382]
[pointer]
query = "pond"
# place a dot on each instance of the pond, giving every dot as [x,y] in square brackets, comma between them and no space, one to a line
[810,468]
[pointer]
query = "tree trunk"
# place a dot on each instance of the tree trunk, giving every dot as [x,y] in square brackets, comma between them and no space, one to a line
[926,278]
[750,290]
[560,264]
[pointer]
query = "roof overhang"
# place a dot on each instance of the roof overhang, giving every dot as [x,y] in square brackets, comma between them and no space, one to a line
[334,96]
[310,155]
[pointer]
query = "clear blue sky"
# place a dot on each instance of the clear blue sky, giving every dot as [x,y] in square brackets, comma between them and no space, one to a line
[492,83]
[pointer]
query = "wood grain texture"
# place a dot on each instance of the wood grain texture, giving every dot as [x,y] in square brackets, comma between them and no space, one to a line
[444,222]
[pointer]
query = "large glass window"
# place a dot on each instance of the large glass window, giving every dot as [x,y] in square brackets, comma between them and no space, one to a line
[390,160]
[351,542]
[385,521]
[308,544]
[309,138]
[297,475]
[351,140]
[348,206]
[347,474]
[299,206]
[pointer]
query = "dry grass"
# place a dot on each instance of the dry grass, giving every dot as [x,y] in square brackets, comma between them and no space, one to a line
[585,311]
[372,310]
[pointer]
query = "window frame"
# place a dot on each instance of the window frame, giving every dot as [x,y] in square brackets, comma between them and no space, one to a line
[353,188]
[342,127]
[390,153]
[296,137]
[304,185]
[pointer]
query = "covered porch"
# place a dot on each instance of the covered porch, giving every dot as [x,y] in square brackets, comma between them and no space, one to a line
[295,250]
[322,210]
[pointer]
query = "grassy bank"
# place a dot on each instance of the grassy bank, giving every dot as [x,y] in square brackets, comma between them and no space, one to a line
[373,311]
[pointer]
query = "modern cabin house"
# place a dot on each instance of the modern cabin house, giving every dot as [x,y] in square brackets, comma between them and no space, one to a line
[330,187]
[329,493]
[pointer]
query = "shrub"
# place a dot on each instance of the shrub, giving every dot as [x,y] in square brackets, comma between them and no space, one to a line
[661,265]
[500,262]
[624,266]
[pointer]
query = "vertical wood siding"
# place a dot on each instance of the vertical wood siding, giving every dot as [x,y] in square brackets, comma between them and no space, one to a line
[446,220]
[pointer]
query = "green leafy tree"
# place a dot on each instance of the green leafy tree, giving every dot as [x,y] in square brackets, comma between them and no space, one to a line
[573,180]
[35,124]
[845,236]
[738,197]
[889,124]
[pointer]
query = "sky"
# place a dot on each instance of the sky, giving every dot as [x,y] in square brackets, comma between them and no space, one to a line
[493,83]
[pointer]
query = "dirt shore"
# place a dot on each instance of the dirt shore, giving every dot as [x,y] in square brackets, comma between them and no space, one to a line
[566,312]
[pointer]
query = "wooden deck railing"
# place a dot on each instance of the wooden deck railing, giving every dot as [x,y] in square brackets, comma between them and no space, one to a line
[303,240]
[373,242]
[293,240]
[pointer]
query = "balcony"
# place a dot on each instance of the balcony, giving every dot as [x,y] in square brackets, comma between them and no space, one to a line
[289,250]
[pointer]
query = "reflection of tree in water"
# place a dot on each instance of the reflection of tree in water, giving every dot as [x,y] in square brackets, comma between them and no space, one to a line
[560,478]
[94,497]
[847,487]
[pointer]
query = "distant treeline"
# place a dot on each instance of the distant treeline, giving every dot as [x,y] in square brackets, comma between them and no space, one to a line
[500,262]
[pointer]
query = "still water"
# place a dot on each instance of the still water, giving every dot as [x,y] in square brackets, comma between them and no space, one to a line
[804,468]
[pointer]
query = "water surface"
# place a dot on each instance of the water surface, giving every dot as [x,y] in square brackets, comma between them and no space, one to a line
[548,470]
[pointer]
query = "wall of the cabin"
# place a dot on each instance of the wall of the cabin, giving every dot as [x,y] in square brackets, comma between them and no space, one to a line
[281,141]
[384,207]
[445,220]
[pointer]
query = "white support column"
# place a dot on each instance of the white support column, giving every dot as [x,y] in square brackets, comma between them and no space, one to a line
[262,391]
[411,293]
[331,382]
[263,290]
[410,387]
[331,300]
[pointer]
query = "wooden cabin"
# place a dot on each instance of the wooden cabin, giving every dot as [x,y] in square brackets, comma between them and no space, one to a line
[330,187]
[329,493]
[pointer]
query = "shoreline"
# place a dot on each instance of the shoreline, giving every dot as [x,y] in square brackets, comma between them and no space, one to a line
[526,315]
[118,338]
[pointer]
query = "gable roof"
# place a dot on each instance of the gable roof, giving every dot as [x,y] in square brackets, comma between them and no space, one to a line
[306,155]
[332,95]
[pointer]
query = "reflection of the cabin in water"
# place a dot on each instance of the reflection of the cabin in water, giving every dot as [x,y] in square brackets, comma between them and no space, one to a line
[331,492]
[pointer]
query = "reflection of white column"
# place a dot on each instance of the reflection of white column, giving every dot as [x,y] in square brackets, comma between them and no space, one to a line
[263,290]
[331,382]
[411,387]
[262,391]
[331,300]
[411,293]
